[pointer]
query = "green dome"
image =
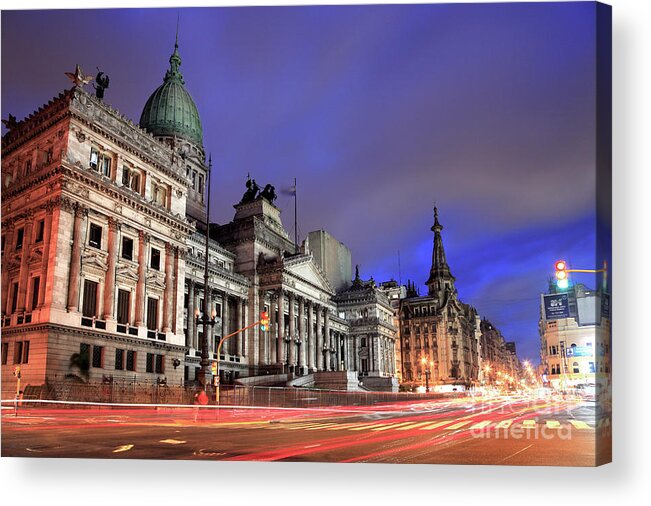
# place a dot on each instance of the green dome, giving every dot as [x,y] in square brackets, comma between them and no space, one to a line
[170,110]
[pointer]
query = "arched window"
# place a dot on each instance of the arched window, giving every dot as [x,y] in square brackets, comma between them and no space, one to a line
[575,367]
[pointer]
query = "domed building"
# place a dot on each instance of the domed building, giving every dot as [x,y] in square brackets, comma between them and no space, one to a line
[171,115]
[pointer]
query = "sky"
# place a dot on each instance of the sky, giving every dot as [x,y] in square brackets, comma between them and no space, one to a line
[380,112]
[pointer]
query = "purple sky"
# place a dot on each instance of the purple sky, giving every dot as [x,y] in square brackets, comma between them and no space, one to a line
[379,111]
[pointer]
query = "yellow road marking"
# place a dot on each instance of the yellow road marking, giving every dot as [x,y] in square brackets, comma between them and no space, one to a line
[552,424]
[304,426]
[457,425]
[481,425]
[365,426]
[578,424]
[413,426]
[437,424]
[529,424]
[392,426]
[343,426]
[504,424]
[321,426]
[172,441]
[123,448]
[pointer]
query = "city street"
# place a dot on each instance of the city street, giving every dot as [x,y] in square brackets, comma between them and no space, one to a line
[509,430]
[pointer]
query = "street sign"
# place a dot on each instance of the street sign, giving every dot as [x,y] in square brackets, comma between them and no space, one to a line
[556,306]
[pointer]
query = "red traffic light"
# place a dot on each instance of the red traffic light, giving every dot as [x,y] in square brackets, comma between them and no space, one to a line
[264,320]
[561,265]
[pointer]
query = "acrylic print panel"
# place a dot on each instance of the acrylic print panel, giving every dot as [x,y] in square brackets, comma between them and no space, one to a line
[408,256]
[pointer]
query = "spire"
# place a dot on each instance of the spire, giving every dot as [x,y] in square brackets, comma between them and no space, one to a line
[175,60]
[440,275]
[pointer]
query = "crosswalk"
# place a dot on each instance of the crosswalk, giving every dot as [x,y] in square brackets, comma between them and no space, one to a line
[431,425]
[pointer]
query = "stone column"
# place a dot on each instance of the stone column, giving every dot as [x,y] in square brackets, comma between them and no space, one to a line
[301,336]
[75,261]
[167,293]
[195,331]
[263,336]
[240,319]
[273,319]
[311,356]
[47,229]
[109,283]
[189,340]
[143,240]
[326,331]
[23,277]
[245,322]
[280,350]
[319,340]
[225,326]
[292,334]
[9,247]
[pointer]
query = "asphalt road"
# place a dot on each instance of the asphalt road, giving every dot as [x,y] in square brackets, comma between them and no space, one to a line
[514,430]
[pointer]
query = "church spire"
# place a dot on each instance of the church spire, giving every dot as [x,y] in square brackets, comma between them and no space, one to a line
[175,60]
[440,276]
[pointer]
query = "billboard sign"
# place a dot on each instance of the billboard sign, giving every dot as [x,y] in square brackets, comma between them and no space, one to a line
[556,306]
[579,351]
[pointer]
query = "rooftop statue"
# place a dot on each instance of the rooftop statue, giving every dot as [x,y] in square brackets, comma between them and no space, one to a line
[102,81]
[269,193]
[251,192]
[78,78]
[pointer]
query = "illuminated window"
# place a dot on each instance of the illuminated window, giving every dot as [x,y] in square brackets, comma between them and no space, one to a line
[94,158]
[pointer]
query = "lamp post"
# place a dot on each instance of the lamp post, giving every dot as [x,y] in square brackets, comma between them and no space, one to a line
[204,369]
[426,364]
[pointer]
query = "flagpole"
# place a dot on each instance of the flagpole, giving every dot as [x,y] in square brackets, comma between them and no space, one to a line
[295,220]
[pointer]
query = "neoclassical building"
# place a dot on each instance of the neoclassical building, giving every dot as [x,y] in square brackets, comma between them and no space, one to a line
[104,253]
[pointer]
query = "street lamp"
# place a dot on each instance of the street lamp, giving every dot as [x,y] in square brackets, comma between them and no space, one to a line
[206,322]
[426,364]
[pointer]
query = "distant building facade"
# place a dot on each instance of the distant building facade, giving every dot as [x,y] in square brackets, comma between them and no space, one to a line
[332,256]
[575,336]
[440,335]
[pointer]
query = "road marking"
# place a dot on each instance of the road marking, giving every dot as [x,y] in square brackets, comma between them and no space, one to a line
[514,454]
[366,426]
[391,426]
[529,424]
[312,446]
[413,426]
[578,424]
[552,424]
[504,424]
[457,425]
[481,425]
[437,424]
[343,426]
[172,441]
[321,426]
[303,426]
[123,448]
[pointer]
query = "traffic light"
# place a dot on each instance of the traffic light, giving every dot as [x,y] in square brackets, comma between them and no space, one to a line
[561,274]
[213,368]
[264,320]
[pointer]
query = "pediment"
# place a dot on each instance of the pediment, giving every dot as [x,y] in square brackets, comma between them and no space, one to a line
[156,281]
[308,271]
[94,261]
[125,271]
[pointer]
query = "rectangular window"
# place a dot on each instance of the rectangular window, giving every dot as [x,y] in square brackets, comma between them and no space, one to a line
[160,364]
[127,248]
[98,354]
[5,352]
[2,248]
[135,182]
[28,167]
[150,362]
[18,352]
[119,359]
[84,351]
[152,313]
[125,176]
[94,158]
[14,297]
[89,308]
[95,236]
[105,165]
[19,238]
[40,229]
[154,262]
[35,288]
[131,360]
[123,306]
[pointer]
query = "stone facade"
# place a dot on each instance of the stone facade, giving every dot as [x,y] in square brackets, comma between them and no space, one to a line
[439,333]
[94,244]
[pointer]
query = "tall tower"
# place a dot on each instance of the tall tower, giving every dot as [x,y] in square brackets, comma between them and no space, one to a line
[440,278]
[172,117]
